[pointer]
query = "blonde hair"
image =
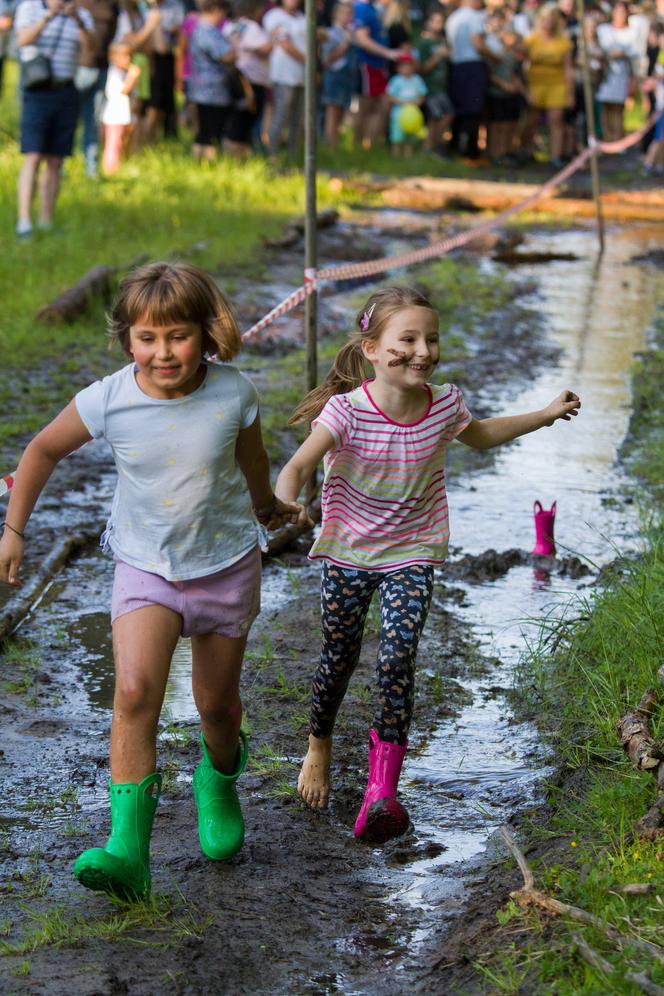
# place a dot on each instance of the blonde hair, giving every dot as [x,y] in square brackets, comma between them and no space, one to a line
[550,10]
[396,12]
[165,293]
[350,368]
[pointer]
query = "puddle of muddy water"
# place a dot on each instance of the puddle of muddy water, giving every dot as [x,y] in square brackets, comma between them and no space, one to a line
[479,767]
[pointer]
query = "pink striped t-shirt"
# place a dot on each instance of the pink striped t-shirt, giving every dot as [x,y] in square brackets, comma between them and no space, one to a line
[383,501]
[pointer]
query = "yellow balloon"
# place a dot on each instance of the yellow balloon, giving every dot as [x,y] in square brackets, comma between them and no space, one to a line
[411,119]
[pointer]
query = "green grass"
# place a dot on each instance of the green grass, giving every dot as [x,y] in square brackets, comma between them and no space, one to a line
[586,672]
[159,921]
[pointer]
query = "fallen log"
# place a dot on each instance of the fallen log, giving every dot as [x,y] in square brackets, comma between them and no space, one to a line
[295,229]
[646,755]
[29,595]
[75,300]
[636,738]
[440,194]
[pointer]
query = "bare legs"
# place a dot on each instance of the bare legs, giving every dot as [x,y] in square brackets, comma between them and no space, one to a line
[370,121]
[612,121]
[143,644]
[49,185]
[555,126]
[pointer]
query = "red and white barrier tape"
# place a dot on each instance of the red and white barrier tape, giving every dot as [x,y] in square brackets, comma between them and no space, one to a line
[6,483]
[350,271]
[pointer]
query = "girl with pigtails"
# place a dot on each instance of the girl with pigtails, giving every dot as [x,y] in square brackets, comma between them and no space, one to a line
[385,524]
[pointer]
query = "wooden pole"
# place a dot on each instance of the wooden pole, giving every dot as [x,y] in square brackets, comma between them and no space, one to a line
[310,228]
[310,223]
[590,122]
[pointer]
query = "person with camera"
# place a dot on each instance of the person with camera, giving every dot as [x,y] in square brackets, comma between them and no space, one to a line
[49,34]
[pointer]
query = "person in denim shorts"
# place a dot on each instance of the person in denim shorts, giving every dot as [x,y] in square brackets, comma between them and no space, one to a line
[56,29]
[339,68]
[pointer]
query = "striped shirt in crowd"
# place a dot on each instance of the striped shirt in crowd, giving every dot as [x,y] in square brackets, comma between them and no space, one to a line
[60,39]
[383,501]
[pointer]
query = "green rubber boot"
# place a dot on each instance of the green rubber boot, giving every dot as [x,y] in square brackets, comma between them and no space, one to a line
[220,822]
[122,868]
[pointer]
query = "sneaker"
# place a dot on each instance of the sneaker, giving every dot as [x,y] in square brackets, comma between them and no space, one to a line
[91,163]
[23,229]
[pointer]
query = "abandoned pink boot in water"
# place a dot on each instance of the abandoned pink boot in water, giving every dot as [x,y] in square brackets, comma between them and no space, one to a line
[381,816]
[544,519]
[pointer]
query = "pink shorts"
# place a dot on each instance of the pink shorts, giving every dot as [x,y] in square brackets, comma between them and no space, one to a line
[226,603]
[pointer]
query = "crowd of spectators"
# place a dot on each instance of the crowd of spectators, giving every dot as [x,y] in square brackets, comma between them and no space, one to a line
[496,79]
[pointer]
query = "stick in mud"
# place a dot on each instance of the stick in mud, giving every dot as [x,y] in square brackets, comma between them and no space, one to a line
[529,896]
[19,607]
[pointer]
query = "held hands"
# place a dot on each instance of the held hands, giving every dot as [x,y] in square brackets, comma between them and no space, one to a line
[281,513]
[11,555]
[565,406]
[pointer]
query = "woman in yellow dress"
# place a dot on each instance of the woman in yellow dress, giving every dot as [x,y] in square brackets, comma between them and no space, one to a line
[550,80]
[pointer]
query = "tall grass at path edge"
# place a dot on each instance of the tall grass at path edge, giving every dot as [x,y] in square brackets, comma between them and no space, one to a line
[587,672]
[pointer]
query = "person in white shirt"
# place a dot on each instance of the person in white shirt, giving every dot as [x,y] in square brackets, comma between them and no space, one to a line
[287,27]
[116,112]
[616,39]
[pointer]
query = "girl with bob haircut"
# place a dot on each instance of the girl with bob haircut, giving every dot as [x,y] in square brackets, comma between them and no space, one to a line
[385,524]
[192,494]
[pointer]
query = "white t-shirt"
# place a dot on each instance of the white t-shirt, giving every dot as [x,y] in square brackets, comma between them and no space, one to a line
[614,86]
[117,106]
[284,68]
[461,26]
[181,507]
[246,36]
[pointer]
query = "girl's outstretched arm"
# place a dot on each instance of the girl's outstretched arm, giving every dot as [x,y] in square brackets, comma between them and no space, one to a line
[254,463]
[61,437]
[482,434]
[302,464]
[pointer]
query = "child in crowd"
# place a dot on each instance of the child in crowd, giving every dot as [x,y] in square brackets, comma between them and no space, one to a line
[252,46]
[116,115]
[212,56]
[193,486]
[287,28]
[405,87]
[507,90]
[385,524]
[338,64]
[433,54]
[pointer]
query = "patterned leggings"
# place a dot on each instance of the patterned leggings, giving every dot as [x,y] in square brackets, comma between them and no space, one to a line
[405,597]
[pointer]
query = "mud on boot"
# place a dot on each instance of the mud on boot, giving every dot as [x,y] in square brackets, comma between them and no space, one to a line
[220,821]
[382,816]
[122,867]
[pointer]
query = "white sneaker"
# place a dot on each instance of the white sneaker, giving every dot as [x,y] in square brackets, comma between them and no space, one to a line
[23,229]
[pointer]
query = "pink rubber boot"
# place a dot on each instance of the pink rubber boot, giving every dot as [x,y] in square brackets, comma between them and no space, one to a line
[382,816]
[544,519]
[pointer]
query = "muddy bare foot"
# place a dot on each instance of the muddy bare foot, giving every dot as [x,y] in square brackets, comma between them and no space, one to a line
[313,783]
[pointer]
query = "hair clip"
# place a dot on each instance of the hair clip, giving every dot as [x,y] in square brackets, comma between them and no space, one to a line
[366,318]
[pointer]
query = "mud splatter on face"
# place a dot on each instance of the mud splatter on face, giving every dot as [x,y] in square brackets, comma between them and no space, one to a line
[402,358]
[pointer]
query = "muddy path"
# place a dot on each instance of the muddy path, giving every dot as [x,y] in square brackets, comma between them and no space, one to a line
[304,908]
